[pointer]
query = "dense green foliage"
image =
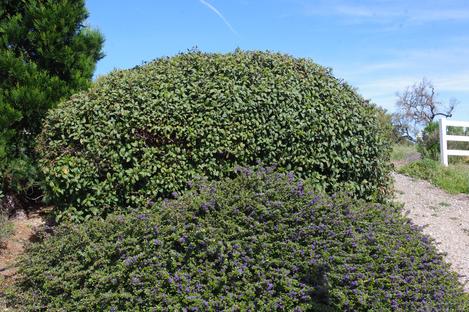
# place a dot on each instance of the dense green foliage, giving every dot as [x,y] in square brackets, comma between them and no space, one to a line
[261,242]
[429,144]
[453,179]
[140,134]
[390,130]
[46,54]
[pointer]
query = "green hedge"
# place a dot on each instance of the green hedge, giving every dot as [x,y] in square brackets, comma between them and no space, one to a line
[260,242]
[140,134]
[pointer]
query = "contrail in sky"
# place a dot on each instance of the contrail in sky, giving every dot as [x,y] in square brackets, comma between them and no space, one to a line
[214,10]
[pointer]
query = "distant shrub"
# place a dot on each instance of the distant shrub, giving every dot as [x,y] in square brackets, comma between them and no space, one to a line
[429,144]
[403,152]
[260,242]
[390,130]
[140,134]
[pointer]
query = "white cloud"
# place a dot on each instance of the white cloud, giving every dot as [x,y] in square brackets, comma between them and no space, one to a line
[458,82]
[382,71]
[383,91]
[440,15]
[390,12]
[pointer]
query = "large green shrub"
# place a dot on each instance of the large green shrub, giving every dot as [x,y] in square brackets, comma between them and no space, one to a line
[260,242]
[140,134]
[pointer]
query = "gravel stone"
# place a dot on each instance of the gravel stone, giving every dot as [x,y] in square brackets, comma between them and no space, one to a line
[445,217]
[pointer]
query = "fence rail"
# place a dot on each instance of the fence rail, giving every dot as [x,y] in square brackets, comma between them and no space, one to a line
[444,138]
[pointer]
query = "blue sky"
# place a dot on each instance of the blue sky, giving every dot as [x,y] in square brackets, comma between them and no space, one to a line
[378,46]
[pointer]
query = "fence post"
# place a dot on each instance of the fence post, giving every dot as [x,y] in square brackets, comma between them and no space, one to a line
[443,143]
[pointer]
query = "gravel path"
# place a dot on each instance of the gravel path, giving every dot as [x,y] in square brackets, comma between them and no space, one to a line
[445,216]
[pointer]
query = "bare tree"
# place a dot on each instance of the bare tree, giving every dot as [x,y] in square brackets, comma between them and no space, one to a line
[418,106]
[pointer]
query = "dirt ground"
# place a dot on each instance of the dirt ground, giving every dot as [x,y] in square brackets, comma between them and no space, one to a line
[25,225]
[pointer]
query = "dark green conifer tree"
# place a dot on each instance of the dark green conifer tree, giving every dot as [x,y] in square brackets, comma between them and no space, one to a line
[46,54]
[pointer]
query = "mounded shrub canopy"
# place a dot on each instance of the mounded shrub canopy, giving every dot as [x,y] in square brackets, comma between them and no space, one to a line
[260,242]
[140,134]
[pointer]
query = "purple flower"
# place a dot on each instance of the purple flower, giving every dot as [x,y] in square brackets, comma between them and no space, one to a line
[130,260]
[270,169]
[425,239]
[292,294]
[142,216]
[277,204]
[270,286]
[175,194]
[299,190]
[135,281]
[314,200]
[204,207]
[156,242]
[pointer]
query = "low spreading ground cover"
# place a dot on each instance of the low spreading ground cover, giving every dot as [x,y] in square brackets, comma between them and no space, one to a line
[5,228]
[453,179]
[263,241]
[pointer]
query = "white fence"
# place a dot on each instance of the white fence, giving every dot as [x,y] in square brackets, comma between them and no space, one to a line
[444,138]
